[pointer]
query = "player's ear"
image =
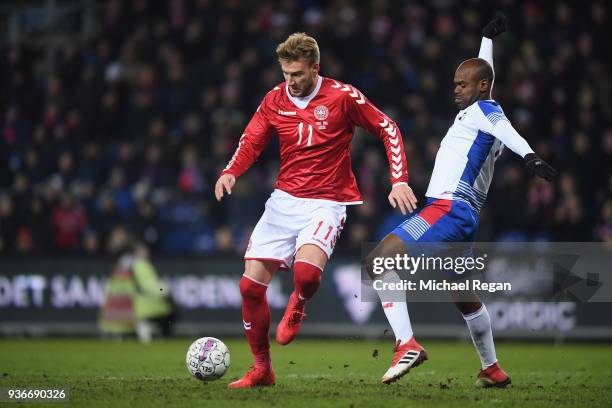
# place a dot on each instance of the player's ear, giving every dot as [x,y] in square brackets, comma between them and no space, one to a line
[315,67]
[484,85]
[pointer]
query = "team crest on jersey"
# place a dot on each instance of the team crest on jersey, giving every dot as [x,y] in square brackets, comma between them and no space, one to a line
[321,112]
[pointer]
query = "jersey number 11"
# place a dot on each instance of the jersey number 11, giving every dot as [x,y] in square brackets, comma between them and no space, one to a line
[301,131]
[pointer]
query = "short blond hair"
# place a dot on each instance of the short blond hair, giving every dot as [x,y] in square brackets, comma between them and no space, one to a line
[299,46]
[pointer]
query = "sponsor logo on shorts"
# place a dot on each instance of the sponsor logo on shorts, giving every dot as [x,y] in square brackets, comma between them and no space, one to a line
[320,242]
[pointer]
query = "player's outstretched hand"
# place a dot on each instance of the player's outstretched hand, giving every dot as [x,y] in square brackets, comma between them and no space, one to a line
[538,167]
[401,195]
[225,183]
[496,26]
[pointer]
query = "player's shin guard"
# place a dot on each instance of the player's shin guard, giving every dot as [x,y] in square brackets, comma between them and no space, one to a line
[479,324]
[256,319]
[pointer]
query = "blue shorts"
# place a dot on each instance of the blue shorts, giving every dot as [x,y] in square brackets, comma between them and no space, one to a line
[440,221]
[432,231]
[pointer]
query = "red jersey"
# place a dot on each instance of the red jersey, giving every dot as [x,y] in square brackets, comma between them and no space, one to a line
[315,134]
[68,224]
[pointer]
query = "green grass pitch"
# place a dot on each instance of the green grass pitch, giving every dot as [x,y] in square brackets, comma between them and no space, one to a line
[312,373]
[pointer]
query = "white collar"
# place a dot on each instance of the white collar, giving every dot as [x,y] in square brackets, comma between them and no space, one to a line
[303,101]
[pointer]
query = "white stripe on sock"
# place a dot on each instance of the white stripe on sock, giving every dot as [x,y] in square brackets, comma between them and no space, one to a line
[254,280]
[307,262]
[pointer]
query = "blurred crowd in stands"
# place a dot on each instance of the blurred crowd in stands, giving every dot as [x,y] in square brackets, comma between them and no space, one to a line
[126,133]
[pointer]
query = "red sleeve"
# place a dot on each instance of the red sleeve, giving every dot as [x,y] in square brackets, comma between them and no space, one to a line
[364,114]
[252,142]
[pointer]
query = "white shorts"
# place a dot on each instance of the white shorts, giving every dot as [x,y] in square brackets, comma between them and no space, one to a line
[290,222]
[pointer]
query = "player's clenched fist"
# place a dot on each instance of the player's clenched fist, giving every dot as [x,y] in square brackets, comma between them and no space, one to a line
[225,182]
[401,195]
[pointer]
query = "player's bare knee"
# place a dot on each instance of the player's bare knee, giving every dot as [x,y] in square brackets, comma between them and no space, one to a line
[389,247]
[467,302]
[369,262]
[312,254]
[261,271]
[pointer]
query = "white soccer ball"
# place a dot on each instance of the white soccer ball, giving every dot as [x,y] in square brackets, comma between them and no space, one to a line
[207,359]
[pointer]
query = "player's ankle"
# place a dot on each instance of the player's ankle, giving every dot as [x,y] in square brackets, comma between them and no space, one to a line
[494,364]
[301,300]
[405,340]
[263,360]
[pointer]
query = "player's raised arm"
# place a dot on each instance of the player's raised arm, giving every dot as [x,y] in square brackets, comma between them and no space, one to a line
[254,139]
[364,114]
[495,27]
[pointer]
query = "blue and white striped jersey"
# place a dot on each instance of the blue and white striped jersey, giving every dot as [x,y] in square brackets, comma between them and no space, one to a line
[467,154]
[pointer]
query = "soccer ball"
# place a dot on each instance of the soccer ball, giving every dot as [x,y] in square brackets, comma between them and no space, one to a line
[207,359]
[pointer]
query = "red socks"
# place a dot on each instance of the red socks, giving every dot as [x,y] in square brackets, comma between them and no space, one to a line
[256,312]
[256,319]
[306,279]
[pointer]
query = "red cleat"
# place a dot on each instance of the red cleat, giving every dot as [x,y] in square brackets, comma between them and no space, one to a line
[407,356]
[258,376]
[493,376]
[291,322]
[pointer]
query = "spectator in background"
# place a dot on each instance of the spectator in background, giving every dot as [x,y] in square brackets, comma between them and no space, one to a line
[8,224]
[106,216]
[120,192]
[569,213]
[603,230]
[68,222]
[190,176]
